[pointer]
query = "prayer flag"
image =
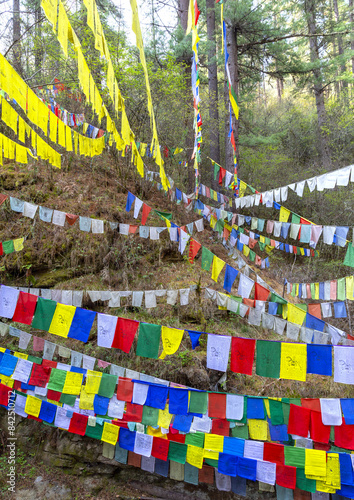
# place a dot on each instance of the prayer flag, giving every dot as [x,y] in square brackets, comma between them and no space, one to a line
[125,334]
[171,339]
[26,305]
[293,363]
[62,319]
[148,340]
[242,355]
[268,358]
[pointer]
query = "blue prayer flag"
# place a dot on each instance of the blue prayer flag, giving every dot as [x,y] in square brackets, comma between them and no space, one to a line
[100,405]
[255,408]
[339,310]
[47,412]
[230,276]
[319,359]
[126,439]
[194,336]
[81,324]
[178,404]
[130,200]
[157,396]
[227,464]
[314,322]
[348,410]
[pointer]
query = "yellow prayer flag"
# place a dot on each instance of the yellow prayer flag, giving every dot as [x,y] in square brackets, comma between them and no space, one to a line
[171,339]
[9,115]
[317,291]
[18,244]
[61,320]
[21,154]
[7,381]
[293,361]
[246,250]
[61,133]
[324,488]
[213,221]
[266,405]
[178,150]
[68,138]
[63,24]
[110,433]
[21,129]
[21,355]
[296,314]
[349,285]
[11,150]
[50,10]
[73,383]
[332,480]
[261,239]
[195,456]
[42,116]
[86,400]
[284,311]
[156,432]
[284,214]
[315,464]
[258,429]
[214,442]
[33,406]
[165,418]
[90,13]
[217,266]
[242,189]
[93,380]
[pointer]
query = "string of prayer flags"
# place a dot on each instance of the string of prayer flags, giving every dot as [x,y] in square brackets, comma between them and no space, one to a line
[10,246]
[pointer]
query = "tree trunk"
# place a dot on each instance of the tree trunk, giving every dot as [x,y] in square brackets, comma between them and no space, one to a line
[324,151]
[231,43]
[213,88]
[340,42]
[351,18]
[38,55]
[183,6]
[16,35]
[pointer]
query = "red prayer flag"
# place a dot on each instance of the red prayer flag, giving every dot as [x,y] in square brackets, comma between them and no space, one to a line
[125,389]
[26,305]
[344,436]
[71,218]
[217,405]
[78,424]
[299,421]
[226,233]
[40,375]
[3,197]
[1,249]
[221,427]
[242,355]
[160,448]
[124,334]
[134,459]
[260,292]
[311,403]
[194,247]
[177,438]
[5,392]
[53,395]
[301,495]
[133,413]
[146,211]
[222,173]
[49,362]
[321,446]
[273,452]
[252,243]
[132,229]
[206,474]
[315,310]
[38,343]
[286,476]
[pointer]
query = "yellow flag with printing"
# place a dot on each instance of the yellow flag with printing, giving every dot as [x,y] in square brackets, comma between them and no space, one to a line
[110,433]
[63,24]
[50,10]
[246,250]
[293,361]
[21,355]
[258,429]
[284,214]
[171,340]
[62,320]
[296,314]
[217,267]
[165,418]
[315,464]
[7,380]
[93,380]
[73,383]
[214,442]
[18,244]
[33,406]
[21,154]
[195,456]
[317,291]
[86,400]
[332,481]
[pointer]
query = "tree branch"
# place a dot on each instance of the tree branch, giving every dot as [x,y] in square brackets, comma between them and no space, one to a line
[23,34]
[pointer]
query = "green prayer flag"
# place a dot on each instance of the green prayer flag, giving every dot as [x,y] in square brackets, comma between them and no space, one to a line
[56,380]
[261,246]
[294,456]
[148,340]
[150,416]
[252,255]
[195,439]
[268,359]
[120,455]
[163,215]
[177,452]
[302,306]
[277,298]
[293,290]
[176,471]
[240,431]
[295,401]
[286,410]
[313,292]
[219,226]
[34,359]
[303,483]
[44,313]
[349,256]
[68,399]
[295,219]
[211,462]
[276,412]
[267,241]
[341,289]
[8,246]
[94,431]
[108,385]
[207,258]
[216,171]
[191,474]
[198,402]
